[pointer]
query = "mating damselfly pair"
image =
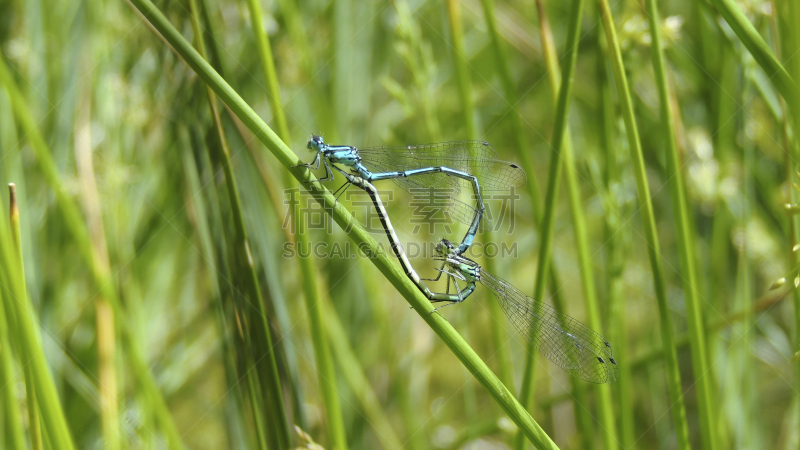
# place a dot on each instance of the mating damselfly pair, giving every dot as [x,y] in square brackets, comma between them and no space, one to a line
[563,340]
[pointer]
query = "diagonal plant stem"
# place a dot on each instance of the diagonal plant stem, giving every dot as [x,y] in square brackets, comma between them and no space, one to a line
[651,236]
[761,52]
[554,177]
[357,233]
[101,278]
[326,373]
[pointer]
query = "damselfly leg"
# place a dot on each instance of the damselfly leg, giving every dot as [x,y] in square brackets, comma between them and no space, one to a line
[313,164]
[451,276]
[439,273]
[328,172]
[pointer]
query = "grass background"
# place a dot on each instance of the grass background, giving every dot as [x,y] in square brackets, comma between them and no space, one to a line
[147,300]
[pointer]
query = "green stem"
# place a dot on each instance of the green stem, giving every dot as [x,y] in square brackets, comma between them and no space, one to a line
[794,149]
[580,235]
[325,370]
[299,37]
[554,176]
[264,51]
[234,402]
[761,52]
[498,331]
[12,423]
[43,401]
[616,245]
[34,424]
[258,329]
[681,214]
[460,64]
[351,370]
[326,373]
[512,99]
[257,400]
[100,277]
[357,233]
[794,196]
[651,236]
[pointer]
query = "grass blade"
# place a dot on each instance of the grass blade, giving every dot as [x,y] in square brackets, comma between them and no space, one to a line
[234,403]
[34,424]
[554,177]
[512,100]
[354,375]
[499,333]
[39,382]
[104,315]
[581,240]
[649,224]
[460,67]
[79,232]
[793,38]
[325,371]
[13,431]
[263,359]
[757,47]
[617,245]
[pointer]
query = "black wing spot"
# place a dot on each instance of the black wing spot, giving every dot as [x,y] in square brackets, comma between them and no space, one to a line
[607,344]
[601,360]
[612,361]
[515,166]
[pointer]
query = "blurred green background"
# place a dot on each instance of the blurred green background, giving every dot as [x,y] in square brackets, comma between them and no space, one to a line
[139,281]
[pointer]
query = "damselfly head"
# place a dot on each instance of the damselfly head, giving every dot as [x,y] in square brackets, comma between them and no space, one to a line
[315,143]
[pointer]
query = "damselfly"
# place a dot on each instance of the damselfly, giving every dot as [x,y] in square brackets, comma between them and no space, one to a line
[563,340]
[417,168]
